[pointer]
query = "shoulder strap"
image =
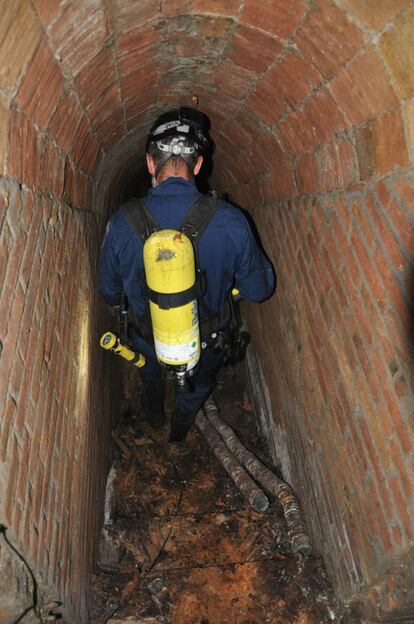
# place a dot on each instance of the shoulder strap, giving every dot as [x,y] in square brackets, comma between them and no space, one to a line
[193,225]
[140,218]
[198,217]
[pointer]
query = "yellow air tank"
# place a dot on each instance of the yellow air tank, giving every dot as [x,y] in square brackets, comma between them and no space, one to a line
[170,269]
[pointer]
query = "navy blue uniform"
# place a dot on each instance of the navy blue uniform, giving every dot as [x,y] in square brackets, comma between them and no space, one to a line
[228,254]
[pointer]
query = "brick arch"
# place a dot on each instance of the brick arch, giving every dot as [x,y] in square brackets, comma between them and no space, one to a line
[312,112]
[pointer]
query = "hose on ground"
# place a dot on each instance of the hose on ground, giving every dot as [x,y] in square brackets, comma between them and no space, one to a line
[255,496]
[298,536]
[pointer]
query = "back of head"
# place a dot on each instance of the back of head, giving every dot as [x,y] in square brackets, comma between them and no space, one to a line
[178,137]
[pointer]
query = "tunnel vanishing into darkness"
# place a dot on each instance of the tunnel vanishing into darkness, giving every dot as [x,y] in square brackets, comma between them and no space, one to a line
[312,111]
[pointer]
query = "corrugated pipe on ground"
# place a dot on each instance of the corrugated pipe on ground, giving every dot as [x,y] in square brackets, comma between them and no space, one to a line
[255,496]
[298,536]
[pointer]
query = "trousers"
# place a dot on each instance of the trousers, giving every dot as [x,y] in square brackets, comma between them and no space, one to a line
[202,381]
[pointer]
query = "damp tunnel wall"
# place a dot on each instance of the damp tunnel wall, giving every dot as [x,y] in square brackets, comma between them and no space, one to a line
[312,112]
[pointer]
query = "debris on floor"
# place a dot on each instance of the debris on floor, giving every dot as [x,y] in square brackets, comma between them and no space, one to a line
[180,543]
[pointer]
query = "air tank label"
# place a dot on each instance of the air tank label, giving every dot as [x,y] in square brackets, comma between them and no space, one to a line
[177,354]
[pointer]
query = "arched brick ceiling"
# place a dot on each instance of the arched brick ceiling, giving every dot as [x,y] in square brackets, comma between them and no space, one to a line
[303,95]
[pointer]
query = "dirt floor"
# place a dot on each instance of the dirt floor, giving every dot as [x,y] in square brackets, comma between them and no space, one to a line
[181,545]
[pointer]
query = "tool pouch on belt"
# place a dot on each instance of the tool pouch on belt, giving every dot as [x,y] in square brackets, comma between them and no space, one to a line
[141,325]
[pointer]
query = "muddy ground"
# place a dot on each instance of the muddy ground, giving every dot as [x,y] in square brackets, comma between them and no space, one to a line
[182,546]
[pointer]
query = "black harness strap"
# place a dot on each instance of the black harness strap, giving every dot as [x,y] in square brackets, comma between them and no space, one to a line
[174,300]
[193,225]
[197,218]
[140,218]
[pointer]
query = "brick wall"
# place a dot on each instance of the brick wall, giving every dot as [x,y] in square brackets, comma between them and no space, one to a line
[312,112]
[337,346]
[54,393]
[334,347]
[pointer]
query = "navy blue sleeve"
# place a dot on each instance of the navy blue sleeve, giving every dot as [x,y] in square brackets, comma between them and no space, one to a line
[121,265]
[255,277]
[110,282]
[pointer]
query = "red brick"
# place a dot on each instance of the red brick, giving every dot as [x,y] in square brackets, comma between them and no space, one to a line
[11,292]
[399,463]
[329,175]
[9,412]
[315,124]
[175,8]
[401,507]
[96,77]
[395,46]
[4,132]
[381,146]
[91,156]
[318,36]
[135,49]
[16,519]
[396,535]
[405,189]
[79,33]
[403,226]
[39,92]
[252,49]
[331,246]
[231,79]
[6,243]
[230,7]
[23,151]
[126,14]
[28,322]
[12,478]
[368,268]
[19,33]
[22,477]
[215,28]
[81,138]
[358,97]
[17,368]
[350,263]
[377,467]
[375,13]
[345,215]
[284,86]
[103,106]
[378,526]
[145,77]
[335,278]
[361,216]
[65,121]
[348,161]
[387,237]
[47,9]
[275,16]
[277,183]
[307,281]
[408,116]
[51,169]
[136,108]
[317,218]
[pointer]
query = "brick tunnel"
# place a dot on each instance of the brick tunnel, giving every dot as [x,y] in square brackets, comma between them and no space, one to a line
[312,110]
